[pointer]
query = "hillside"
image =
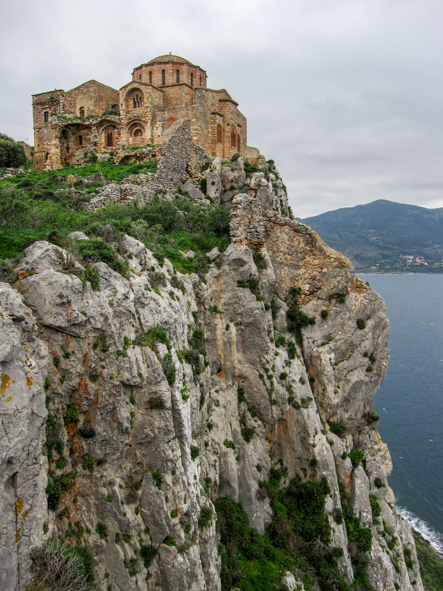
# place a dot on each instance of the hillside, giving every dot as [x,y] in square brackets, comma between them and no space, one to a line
[385,236]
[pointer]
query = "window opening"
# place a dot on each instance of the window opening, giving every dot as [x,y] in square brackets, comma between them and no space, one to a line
[137,101]
[163,77]
[109,139]
[46,116]
[139,76]
[137,132]
[80,140]
[177,76]
[150,77]
[238,144]
[192,79]
[219,134]
[82,111]
[233,139]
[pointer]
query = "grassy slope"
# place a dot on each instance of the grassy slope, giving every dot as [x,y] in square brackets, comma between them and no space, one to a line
[431,565]
[32,208]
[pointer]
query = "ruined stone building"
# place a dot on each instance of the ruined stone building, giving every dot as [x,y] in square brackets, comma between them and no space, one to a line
[162,91]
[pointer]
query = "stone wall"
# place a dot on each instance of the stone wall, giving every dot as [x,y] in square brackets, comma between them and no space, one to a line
[177,159]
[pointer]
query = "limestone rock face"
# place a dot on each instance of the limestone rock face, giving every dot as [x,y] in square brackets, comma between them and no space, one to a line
[155,379]
[23,363]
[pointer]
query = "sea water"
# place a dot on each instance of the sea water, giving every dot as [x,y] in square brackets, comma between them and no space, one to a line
[410,401]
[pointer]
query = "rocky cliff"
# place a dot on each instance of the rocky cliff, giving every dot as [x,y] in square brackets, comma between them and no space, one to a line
[139,413]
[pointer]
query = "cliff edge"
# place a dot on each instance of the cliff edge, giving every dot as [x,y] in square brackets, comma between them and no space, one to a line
[194,430]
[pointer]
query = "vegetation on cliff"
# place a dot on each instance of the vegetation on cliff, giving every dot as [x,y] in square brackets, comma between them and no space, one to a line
[38,206]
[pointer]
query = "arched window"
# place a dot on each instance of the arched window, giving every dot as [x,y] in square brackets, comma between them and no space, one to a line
[192,79]
[163,77]
[109,139]
[177,76]
[238,144]
[139,76]
[219,134]
[200,79]
[137,132]
[233,138]
[150,77]
[82,111]
[137,101]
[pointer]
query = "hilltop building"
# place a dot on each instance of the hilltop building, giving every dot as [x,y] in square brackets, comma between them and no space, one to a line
[162,91]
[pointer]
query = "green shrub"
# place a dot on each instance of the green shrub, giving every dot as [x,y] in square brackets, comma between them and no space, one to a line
[379,483]
[205,517]
[229,444]
[356,456]
[252,283]
[157,402]
[151,337]
[195,452]
[71,415]
[61,463]
[148,553]
[292,350]
[91,275]
[102,530]
[337,428]
[324,314]
[375,506]
[193,358]
[87,430]
[248,433]
[53,493]
[197,341]
[158,478]
[241,394]
[88,463]
[361,323]
[169,368]
[260,261]
[280,340]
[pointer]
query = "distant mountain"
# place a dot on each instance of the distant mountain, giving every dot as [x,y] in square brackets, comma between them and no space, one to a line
[385,236]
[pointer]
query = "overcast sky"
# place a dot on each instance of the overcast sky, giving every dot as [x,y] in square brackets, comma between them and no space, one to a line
[345,95]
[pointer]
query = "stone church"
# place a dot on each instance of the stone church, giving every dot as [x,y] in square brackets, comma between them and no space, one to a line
[162,91]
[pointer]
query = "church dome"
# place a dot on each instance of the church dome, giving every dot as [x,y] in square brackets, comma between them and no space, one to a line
[167,59]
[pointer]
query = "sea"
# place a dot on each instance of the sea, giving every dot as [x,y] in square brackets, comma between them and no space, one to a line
[410,401]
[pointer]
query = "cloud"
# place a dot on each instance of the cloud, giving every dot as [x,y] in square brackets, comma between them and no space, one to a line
[345,95]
